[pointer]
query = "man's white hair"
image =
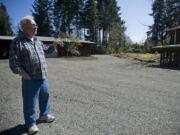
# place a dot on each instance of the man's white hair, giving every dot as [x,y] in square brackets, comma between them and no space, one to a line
[24,21]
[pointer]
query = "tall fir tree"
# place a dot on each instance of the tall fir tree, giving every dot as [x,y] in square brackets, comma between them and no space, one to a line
[178,11]
[117,28]
[92,19]
[157,30]
[104,18]
[173,13]
[5,25]
[98,16]
[79,16]
[65,15]
[41,13]
[108,14]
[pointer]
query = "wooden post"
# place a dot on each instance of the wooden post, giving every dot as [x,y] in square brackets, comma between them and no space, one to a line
[161,59]
[178,60]
[170,57]
[175,34]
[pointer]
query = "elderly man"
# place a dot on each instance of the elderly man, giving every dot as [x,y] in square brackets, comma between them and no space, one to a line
[27,59]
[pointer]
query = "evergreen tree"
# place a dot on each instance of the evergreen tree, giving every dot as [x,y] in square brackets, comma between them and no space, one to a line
[104,17]
[178,11]
[5,25]
[92,19]
[41,12]
[157,30]
[108,14]
[173,13]
[98,16]
[119,28]
[79,17]
[65,15]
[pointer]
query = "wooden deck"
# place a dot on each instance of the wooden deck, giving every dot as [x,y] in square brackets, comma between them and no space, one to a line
[170,55]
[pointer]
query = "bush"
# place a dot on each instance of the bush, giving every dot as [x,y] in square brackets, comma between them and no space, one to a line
[71,46]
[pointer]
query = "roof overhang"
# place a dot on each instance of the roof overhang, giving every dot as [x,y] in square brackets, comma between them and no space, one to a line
[48,39]
[173,29]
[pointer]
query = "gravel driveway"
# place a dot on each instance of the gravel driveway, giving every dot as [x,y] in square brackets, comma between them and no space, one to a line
[98,95]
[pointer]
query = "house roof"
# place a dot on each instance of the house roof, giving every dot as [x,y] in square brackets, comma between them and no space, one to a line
[166,47]
[47,39]
[174,28]
[6,38]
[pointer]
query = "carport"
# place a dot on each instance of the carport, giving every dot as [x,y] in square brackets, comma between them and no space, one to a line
[84,47]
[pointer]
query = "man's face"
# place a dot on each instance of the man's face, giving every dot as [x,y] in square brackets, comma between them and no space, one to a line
[30,28]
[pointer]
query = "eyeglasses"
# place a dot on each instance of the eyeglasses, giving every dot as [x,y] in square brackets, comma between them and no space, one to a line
[35,25]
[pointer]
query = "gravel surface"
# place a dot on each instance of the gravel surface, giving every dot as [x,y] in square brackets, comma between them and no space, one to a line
[98,95]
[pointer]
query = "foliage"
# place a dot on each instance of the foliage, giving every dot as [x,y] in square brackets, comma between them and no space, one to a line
[140,56]
[94,15]
[41,13]
[173,13]
[91,19]
[66,14]
[5,24]
[157,30]
[99,49]
[71,45]
[116,39]
[97,16]
[166,14]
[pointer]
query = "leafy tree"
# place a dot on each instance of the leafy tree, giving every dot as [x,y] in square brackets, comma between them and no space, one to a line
[5,25]
[41,12]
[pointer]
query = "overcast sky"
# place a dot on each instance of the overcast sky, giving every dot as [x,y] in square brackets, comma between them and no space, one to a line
[135,13]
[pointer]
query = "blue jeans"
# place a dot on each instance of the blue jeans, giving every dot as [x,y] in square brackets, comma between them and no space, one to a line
[32,90]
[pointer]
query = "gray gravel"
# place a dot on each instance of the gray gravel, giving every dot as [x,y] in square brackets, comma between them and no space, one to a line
[98,95]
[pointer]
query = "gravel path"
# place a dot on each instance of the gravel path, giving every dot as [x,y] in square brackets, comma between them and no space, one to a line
[98,95]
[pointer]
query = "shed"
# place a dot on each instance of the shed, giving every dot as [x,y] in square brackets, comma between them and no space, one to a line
[84,47]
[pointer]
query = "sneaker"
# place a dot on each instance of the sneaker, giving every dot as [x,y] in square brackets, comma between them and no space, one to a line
[48,118]
[33,130]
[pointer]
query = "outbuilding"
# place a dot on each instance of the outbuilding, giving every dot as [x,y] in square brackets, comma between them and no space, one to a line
[84,47]
[170,53]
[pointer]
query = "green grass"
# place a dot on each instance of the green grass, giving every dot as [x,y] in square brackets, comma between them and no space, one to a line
[139,56]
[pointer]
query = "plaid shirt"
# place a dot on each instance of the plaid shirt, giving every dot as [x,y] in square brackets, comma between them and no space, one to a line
[26,55]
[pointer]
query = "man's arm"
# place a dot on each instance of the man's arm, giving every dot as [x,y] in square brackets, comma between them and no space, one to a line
[15,60]
[49,48]
[14,57]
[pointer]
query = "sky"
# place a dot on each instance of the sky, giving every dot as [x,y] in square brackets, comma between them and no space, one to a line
[135,13]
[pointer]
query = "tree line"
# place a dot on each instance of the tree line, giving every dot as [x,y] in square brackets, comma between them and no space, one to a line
[98,20]
[101,18]
[5,24]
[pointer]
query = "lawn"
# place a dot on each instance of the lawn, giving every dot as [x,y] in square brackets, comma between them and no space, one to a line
[140,56]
